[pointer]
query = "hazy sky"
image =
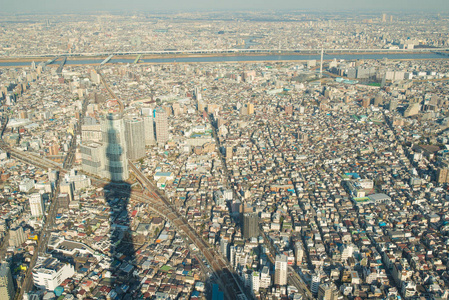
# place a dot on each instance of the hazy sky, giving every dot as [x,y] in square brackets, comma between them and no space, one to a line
[50,6]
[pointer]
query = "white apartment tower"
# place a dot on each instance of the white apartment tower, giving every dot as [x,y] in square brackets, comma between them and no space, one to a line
[281,270]
[36,205]
[135,138]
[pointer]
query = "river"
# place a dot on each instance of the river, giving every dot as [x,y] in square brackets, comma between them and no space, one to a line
[244,58]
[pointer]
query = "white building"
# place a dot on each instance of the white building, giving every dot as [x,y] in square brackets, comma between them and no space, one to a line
[255,283]
[265,278]
[51,273]
[281,270]
[135,138]
[36,205]
[26,185]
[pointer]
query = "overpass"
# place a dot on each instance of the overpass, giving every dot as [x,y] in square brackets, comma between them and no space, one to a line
[50,61]
[61,65]
[137,59]
[107,59]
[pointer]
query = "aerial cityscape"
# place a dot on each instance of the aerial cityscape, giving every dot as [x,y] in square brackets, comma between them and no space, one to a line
[224,154]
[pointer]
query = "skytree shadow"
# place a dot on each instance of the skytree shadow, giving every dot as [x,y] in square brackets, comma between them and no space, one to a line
[119,282]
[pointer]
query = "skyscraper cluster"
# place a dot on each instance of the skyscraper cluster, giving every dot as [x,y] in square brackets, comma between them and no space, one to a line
[118,139]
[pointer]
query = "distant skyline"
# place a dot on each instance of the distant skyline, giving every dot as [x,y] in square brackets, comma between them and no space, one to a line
[76,6]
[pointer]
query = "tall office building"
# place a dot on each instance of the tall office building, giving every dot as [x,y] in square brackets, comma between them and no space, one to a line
[224,246]
[229,152]
[280,270]
[442,175]
[250,108]
[36,205]
[6,285]
[250,225]
[92,157]
[148,124]
[16,237]
[315,283]
[161,126]
[393,105]
[299,253]
[67,187]
[135,138]
[116,163]
[327,291]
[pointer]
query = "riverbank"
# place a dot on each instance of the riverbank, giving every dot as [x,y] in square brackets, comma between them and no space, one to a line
[225,58]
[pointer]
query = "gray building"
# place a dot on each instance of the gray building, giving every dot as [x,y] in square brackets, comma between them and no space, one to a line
[116,163]
[16,237]
[92,157]
[250,225]
[6,284]
[148,123]
[161,126]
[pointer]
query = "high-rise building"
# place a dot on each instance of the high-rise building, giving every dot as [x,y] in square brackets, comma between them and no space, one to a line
[412,109]
[224,246]
[63,201]
[250,108]
[393,105]
[116,163]
[315,283]
[16,237]
[265,278]
[92,157]
[229,152]
[443,175]
[250,225]
[135,138]
[255,281]
[53,149]
[378,100]
[161,126]
[327,291]
[280,270]
[366,102]
[36,205]
[148,123]
[299,253]
[6,284]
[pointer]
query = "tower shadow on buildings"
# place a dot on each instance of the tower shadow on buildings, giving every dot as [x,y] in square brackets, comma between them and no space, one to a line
[121,252]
